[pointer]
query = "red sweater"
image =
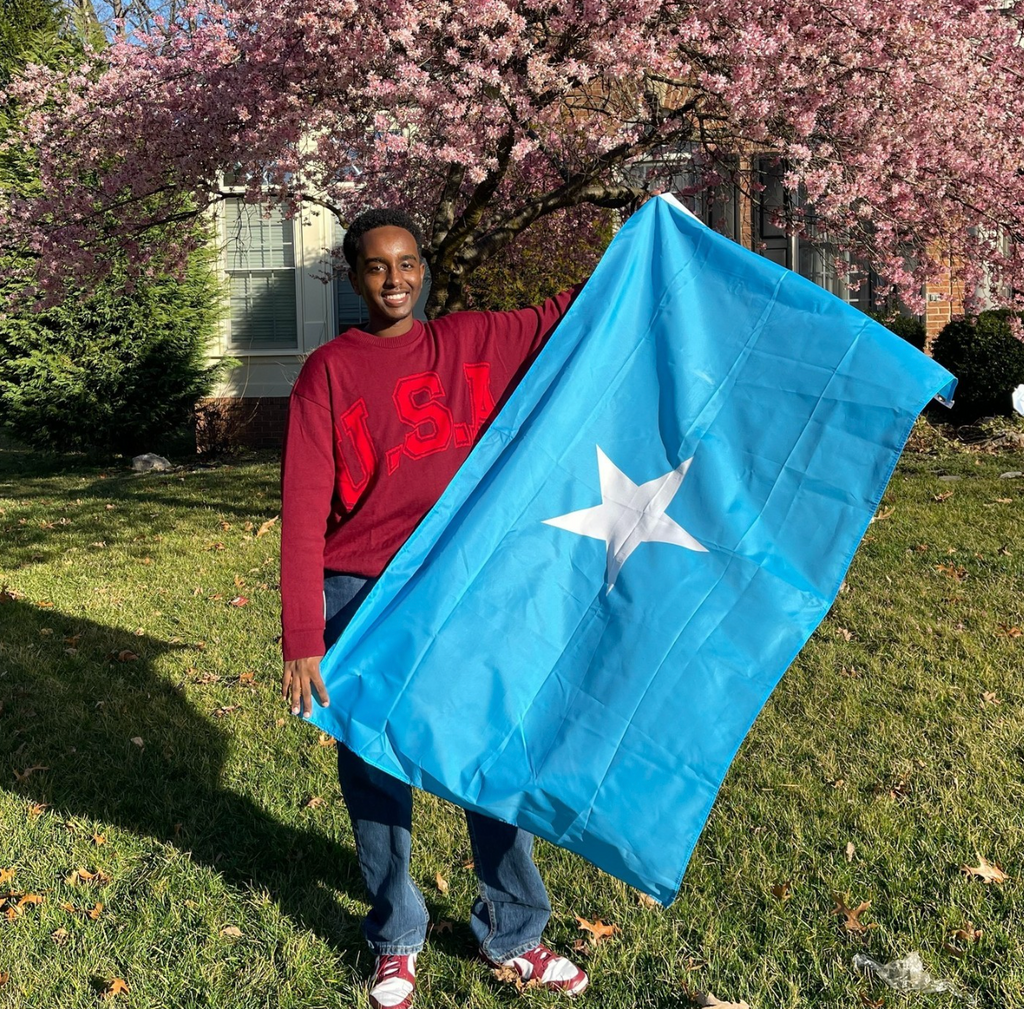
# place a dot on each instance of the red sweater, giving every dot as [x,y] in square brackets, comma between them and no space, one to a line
[377,427]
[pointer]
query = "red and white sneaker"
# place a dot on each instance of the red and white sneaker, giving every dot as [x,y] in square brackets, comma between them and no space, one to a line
[554,972]
[394,979]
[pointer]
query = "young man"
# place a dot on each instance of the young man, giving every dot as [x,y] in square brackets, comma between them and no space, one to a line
[379,421]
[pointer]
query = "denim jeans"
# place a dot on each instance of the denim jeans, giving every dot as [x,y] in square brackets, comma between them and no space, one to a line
[512,908]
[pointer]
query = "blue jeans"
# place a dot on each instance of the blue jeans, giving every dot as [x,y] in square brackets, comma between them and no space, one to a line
[512,909]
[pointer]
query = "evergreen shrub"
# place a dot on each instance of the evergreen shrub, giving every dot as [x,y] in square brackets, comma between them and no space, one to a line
[987,359]
[909,327]
[115,370]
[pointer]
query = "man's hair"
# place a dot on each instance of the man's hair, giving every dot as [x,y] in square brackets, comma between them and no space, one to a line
[384,217]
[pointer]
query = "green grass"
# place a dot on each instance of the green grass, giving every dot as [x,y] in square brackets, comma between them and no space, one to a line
[883,740]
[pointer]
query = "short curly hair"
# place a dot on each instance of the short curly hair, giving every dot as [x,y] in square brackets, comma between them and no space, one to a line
[383,217]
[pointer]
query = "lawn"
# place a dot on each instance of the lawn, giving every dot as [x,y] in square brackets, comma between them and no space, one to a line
[142,739]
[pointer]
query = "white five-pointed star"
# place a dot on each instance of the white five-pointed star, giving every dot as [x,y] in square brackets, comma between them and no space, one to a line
[629,515]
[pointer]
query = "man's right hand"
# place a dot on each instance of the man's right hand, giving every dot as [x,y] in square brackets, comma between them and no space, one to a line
[301,677]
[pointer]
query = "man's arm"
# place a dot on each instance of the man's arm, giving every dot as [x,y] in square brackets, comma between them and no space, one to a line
[307,488]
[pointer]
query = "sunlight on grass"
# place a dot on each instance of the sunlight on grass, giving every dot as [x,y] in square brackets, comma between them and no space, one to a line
[142,738]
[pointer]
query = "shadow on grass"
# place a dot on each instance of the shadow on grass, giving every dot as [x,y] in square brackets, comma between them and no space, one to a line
[74,717]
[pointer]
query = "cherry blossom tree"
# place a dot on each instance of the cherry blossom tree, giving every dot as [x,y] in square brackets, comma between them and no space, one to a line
[900,121]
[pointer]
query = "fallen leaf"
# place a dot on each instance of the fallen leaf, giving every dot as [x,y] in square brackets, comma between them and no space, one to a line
[239,601]
[314,802]
[266,527]
[850,851]
[985,870]
[28,899]
[6,875]
[782,890]
[280,721]
[953,950]
[126,656]
[882,516]
[214,546]
[95,911]
[117,986]
[646,900]
[138,741]
[442,883]
[98,878]
[99,839]
[231,932]
[1011,632]
[29,771]
[968,933]
[871,1003]
[60,936]
[707,999]
[598,929]
[580,947]
[952,571]
[226,710]
[225,526]
[989,697]
[1004,500]
[852,922]
[5,976]
[246,678]
[845,634]
[324,740]
[944,496]
[442,926]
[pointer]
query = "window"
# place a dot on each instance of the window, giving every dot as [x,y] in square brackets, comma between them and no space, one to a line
[261,271]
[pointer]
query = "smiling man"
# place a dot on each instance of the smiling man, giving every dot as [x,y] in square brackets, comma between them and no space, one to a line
[379,421]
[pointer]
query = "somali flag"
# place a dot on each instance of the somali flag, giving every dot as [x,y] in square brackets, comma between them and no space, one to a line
[578,636]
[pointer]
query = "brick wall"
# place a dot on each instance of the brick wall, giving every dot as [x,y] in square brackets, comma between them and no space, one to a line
[945,299]
[223,423]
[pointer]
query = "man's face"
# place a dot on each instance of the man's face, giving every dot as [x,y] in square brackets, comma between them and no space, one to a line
[388,277]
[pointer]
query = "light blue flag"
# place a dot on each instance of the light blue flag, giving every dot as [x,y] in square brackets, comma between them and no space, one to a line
[578,636]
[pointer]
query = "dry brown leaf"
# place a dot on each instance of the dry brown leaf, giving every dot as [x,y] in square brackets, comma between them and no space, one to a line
[127,656]
[707,999]
[60,936]
[985,870]
[314,802]
[442,883]
[138,741]
[851,915]
[239,601]
[967,933]
[246,678]
[580,947]
[6,875]
[952,571]
[782,890]
[882,516]
[953,950]
[5,976]
[944,496]
[871,1003]
[845,634]
[99,839]
[29,771]
[1004,500]
[227,709]
[989,697]
[646,900]
[324,740]
[98,878]
[266,527]
[598,929]
[851,850]
[231,932]
[28,899]
[442,926]
[225,526]
[95,911]
[1011,631]
[116,986]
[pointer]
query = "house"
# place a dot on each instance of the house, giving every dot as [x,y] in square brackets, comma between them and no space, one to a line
[288,295]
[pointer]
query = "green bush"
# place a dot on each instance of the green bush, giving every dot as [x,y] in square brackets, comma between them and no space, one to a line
[987,359]
[115,370]
[909,327]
